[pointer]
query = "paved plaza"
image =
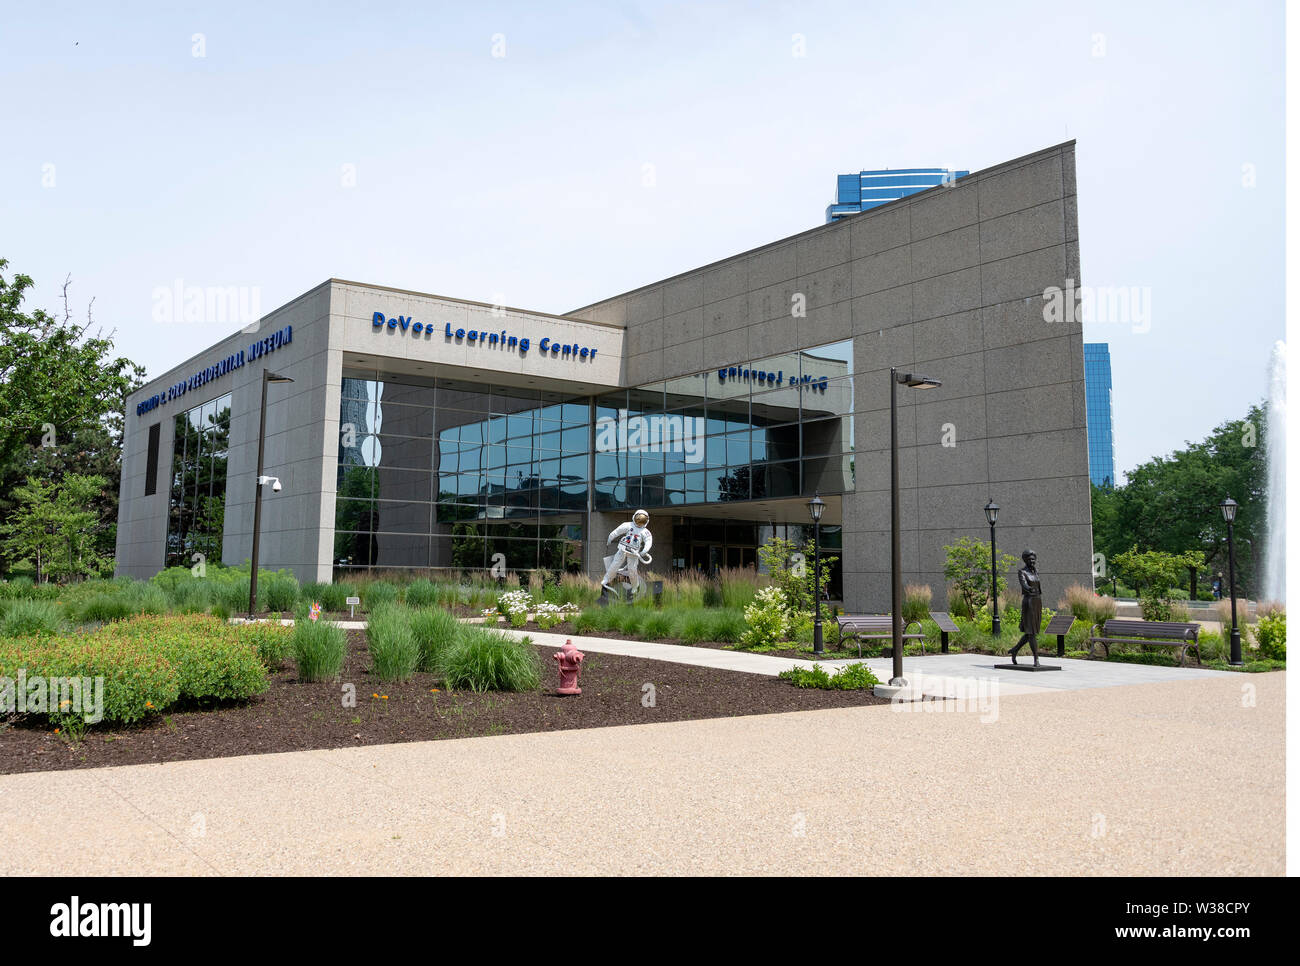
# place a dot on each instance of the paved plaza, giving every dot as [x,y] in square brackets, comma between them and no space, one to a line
[1180,776]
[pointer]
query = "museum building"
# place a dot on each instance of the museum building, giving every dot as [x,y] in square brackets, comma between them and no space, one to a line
[427,433]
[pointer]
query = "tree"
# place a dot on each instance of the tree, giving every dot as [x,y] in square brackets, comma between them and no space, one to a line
[1171,503]
[54,529]
[62,398]
[1156,572]
[967,569]
[793,572]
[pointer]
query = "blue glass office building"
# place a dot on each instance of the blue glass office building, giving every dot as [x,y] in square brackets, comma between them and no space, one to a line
[870,189]
[1101,438]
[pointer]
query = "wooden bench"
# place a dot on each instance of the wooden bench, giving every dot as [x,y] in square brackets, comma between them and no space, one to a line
[946,627]
[874,627]
[1060,626]
[1154,633]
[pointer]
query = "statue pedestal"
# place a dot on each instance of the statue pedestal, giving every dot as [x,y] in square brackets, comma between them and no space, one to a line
[1027,667]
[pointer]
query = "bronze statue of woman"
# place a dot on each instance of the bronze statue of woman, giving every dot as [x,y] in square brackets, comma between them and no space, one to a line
[1031,606]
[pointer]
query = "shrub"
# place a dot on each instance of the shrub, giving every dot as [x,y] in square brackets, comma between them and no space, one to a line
[577,589]
[957,606]
[711,595]
[137,682]
[657,626]
[916,602]
[483,660]
[767,620]
[101,608]
[852,677]
[271,640]
[215,661]
[1270,636]
[332,597]
[25,617]
[278,592]
[685,589]
[377,594]
[1078,600]
[727,625]
[435,632]
[149,663]
[421,593]
[318,648]
[738,585]
[394,650]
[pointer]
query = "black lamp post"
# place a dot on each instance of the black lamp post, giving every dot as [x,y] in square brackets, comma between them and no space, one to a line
[816,506]
[895,538]
[268,377]
[991,514]
[1229,508]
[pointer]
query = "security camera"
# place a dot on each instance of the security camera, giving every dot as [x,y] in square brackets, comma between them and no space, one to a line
[275,487]
[273,480]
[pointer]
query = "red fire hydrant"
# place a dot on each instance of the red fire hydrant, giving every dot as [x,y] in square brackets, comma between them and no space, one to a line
[570,661]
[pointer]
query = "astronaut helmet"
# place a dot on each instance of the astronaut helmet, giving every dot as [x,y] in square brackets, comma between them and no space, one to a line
[640,518]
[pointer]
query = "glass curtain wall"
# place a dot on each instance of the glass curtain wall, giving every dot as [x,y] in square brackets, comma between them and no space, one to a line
[196,512]
[769,429]
[451,475]
[446,474]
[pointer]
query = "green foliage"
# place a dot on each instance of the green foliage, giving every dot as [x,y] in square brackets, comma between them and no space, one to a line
[852,677]
[916,602]
[967,569]
[435,632]
[332,597]
[53,525]
[277,592]
[318,648]
[791,570]
[25,617]
[272,641]
[149,663]
[394,648]
[377,594]
[214,660]
[483,660]
[422,593]
[1171,503]
[60,373]
[1270,636]
[1156,571]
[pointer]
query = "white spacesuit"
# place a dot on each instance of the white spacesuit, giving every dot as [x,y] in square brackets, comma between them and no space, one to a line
[633,542]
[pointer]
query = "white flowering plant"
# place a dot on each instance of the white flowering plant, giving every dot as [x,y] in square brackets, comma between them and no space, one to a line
[548,614]
[767,619]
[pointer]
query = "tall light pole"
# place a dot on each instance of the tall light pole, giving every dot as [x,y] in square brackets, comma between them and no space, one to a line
[815,507]
[1229,508]
[268,377]
[991,514]
[895,537]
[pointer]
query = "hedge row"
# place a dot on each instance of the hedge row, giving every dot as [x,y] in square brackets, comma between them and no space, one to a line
[154,662]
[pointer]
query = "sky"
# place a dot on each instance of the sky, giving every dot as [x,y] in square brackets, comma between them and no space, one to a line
[547,156]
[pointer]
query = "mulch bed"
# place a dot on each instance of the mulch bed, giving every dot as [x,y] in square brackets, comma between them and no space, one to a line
[291,716]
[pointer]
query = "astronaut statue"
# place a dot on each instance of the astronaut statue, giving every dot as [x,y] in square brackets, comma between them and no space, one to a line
[633,542]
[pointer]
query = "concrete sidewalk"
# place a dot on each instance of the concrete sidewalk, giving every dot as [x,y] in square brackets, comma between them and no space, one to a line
[1177,778]
[938,674]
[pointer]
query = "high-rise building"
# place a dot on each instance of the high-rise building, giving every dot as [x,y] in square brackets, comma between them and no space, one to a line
[870,189]
[1101,436]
